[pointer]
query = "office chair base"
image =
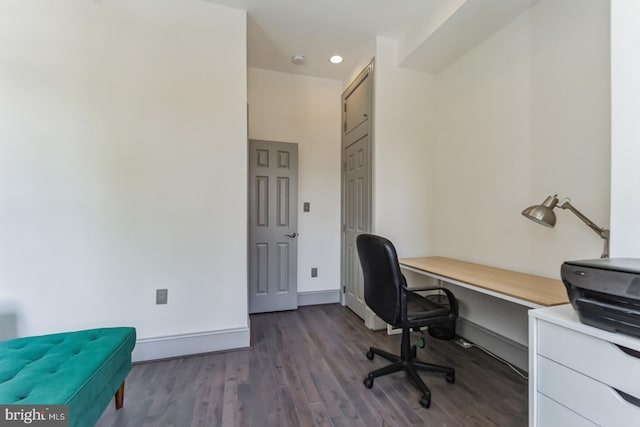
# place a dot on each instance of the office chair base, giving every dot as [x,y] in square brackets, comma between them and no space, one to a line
[411,368]
[450,378]
[425,402]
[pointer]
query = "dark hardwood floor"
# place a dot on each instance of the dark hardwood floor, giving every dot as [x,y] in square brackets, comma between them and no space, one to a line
[305,368]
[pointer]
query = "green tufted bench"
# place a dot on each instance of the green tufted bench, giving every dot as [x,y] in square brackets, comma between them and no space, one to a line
[82,369]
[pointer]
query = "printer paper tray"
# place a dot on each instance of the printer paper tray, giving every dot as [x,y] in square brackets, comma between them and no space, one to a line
[610,317]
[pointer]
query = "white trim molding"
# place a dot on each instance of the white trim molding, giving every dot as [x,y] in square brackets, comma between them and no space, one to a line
[511,351]
[189,344]
[319,297]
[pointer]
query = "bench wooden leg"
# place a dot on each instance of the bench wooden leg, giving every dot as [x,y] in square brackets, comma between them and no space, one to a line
[120,396]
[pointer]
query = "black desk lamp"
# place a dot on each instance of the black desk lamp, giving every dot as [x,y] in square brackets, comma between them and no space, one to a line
[543,214]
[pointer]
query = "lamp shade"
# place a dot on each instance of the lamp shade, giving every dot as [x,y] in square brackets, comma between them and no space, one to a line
[543,214]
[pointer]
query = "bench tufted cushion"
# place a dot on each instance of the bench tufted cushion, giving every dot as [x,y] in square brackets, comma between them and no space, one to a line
[73,368]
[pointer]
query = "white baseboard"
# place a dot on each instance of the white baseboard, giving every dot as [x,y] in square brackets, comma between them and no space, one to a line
[511,351]
[190,344]
[395,331]
[372,321]
[319,297]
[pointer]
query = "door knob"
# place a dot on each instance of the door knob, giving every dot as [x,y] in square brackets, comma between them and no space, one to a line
[292,235]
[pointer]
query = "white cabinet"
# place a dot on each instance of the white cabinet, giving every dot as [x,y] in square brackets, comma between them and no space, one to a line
[580,375]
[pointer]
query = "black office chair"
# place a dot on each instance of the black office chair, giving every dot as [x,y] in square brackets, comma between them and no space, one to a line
[386,293]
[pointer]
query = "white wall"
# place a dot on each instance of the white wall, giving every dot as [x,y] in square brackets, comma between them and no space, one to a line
[524,115]
[306,110]
[460,154]
[404,129]
[123,165]
[625,135]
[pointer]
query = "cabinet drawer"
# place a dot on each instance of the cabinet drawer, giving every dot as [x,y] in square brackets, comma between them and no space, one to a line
[598,359]
[551,413]
[592,399]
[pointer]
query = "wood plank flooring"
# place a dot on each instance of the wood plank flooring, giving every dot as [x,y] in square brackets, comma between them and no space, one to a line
[305,368]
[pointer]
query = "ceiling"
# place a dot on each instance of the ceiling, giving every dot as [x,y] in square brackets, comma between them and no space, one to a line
[431,34]
[317,29]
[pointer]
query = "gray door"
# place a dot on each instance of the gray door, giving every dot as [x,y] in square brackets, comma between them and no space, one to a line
[356,180]
[273,226]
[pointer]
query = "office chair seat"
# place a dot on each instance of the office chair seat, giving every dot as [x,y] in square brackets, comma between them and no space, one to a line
[386,293]
[420,308]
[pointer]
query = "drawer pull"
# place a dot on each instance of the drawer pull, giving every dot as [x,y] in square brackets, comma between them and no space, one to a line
[630,352]
[631,399]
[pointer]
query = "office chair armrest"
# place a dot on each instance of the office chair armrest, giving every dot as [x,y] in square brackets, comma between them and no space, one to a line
[453,302]
[426,288]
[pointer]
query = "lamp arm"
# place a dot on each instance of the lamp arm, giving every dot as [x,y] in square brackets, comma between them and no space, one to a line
[602,232]
[599,230]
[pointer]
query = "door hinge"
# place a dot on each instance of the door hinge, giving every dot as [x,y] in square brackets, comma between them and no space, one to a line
[344,289]
[345,107]
[344,167]
[344,228]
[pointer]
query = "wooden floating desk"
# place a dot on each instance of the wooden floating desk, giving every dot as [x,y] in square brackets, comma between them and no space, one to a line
[525,289]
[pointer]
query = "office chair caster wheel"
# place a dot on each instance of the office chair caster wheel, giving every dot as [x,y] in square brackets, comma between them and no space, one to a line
[451,378]
[368,382]
[421,343]
[425,402]
[370,355]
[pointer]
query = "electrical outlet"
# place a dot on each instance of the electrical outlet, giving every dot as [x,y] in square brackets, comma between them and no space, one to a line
[314,272]
[162,295]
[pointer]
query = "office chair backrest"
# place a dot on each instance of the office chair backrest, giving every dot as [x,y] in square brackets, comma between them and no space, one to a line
[383,280]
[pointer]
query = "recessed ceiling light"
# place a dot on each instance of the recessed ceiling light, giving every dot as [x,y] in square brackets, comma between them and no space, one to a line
[335,59]
[297,59]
